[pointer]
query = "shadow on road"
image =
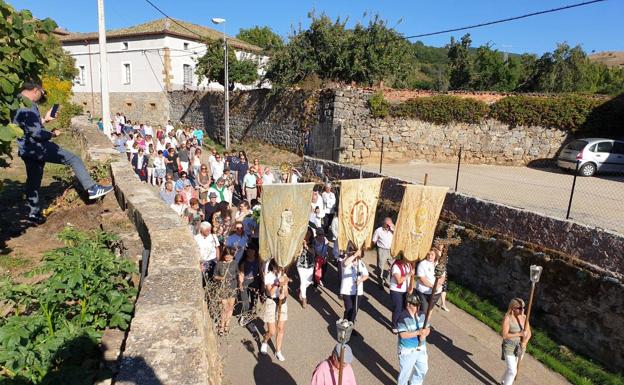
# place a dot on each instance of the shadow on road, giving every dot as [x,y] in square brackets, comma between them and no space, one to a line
[460,356]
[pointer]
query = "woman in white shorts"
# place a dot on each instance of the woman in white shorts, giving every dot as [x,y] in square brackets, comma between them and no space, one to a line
[276,285]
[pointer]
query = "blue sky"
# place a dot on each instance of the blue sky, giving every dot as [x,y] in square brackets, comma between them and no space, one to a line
[595,27]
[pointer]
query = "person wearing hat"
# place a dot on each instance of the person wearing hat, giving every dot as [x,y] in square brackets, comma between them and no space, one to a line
[326,372]
[515,338]
[412,346]
[36,149]
[211,207]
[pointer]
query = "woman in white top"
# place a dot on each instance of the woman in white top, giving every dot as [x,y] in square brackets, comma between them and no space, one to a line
[159,168]
[276,286]
[354,273]
[401,284]
[316,217]
[426,278]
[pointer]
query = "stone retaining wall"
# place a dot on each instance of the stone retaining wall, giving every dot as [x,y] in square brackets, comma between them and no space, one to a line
[579,300]
[152,107]
[171,339]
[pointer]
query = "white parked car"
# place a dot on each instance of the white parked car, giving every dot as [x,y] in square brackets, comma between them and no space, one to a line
[593,155]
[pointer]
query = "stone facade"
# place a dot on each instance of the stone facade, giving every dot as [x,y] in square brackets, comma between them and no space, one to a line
[152,107]
[579,300]
[490,142]
[171,338]
[280,120]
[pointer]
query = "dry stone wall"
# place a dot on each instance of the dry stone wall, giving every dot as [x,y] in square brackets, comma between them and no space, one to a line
[171,339]
[151,107]
[490,142]
[579,300]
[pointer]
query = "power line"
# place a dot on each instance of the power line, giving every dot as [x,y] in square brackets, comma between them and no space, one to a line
[174,20]
[504,20]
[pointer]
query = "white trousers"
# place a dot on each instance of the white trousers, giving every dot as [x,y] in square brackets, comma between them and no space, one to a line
[510,372]
[305,279]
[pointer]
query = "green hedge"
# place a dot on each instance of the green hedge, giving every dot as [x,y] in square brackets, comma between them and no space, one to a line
[574,113]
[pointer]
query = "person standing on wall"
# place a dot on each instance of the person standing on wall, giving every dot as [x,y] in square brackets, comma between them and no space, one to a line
[515,339]
[36,149]
[382,238]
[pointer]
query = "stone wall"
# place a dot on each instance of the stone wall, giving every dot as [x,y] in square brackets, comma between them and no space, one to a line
[171,339]
[152,107]
[280,120]
[490,142]
[580,299]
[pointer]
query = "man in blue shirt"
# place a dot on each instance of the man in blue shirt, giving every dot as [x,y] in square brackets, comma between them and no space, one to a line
[412,353]
[238,241]
[36,149]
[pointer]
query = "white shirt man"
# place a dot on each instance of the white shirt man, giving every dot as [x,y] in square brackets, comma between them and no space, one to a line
[329,200]
[208,243]
[217,167]
[168,128]
[382,238]
[148,130]
[268,177]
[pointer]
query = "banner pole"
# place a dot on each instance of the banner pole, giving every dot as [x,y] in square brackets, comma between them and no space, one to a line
[426,179]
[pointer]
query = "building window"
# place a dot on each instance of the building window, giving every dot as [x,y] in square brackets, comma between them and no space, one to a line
[127,73]
[188,74]
[124,45]
[81,77]
[186,46]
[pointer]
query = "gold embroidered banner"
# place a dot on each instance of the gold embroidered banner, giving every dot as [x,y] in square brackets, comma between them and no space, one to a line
[284,221]
[416,224]
[357,206]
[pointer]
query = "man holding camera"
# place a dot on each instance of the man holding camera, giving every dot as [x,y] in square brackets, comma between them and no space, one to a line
[36,149]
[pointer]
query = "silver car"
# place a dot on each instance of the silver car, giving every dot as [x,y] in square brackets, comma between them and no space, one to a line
[593,155]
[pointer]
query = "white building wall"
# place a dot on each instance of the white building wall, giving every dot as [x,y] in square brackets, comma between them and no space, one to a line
[143,54]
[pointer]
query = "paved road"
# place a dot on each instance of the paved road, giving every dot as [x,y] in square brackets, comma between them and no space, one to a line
[598,201]
[462,350]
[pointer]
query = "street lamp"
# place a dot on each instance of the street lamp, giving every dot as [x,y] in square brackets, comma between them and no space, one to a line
[535,272]
[226,102]
[343,334]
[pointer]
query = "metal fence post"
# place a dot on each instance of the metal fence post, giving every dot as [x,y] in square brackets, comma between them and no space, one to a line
[382,151]
[458,165]
[572,191]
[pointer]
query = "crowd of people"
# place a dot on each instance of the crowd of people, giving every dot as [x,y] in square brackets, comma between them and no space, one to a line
[219,197]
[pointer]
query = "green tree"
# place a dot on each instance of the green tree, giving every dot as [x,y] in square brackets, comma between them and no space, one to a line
[328,50]
[23,56]
[460,66]
[211,66]
[263,37]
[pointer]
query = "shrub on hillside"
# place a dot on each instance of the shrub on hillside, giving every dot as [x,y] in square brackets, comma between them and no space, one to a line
[442,109]
[378,105]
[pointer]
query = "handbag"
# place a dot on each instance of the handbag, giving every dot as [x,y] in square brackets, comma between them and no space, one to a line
[318,268]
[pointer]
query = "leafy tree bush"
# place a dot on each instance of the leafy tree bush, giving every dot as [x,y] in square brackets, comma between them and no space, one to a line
[211,66]
[442,109]
[263,37]
[59,91]
[572,112]
[28,51]
[366,54]
[57,323]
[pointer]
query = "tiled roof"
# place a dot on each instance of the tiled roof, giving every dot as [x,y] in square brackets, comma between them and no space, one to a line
[164,26]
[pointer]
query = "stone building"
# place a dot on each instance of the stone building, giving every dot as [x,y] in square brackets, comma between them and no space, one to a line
[146,62]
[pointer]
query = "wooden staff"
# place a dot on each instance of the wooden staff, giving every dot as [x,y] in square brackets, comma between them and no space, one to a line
[340,363]
[279,300]
[535,273]
[357,302]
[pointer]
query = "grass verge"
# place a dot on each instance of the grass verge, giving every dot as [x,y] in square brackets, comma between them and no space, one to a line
[575,368]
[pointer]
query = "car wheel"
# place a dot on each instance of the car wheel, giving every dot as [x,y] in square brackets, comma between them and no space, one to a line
[588,169]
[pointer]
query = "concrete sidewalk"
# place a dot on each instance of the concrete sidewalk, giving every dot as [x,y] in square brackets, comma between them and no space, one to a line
[462,350]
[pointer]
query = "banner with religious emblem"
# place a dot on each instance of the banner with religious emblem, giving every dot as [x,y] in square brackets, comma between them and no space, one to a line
[357,206]
[416,224]
[284,221]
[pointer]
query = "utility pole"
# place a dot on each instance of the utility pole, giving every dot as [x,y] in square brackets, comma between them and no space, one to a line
[106,116]
[226,100]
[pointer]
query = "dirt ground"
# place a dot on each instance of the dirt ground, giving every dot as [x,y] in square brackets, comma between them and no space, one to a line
[23,245]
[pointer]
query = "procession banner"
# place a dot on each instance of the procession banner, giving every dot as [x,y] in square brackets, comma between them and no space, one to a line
[357,206]
[284,221]
[418,217]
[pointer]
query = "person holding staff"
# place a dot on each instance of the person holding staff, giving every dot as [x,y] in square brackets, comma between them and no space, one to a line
[276,286]
[515,338]
[412,349]
[354,273]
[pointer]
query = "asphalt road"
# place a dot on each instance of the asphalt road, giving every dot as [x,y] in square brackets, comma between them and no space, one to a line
[597,201]
[461,349]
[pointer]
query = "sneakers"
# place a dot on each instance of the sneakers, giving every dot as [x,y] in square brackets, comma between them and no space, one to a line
[395,331]
[445,308]
[280,356]
[37,219]
[264,349]
[98,190]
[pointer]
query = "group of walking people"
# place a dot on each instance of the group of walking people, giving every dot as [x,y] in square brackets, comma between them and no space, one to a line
[220,200]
